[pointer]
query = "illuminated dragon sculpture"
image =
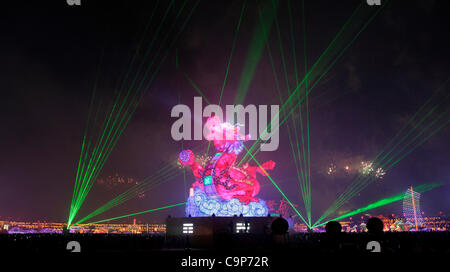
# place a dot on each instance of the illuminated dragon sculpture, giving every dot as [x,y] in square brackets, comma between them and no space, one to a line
[221,187]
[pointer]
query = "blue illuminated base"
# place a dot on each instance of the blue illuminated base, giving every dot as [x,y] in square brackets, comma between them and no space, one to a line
[201,204]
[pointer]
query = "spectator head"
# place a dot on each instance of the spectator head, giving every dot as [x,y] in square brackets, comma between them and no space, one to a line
[280,226]
[333,227]
[375,225]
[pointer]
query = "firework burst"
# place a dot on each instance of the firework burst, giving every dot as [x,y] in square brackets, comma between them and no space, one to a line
[379,173]
[331,169]
[118,182]
[368,169]
[203,159]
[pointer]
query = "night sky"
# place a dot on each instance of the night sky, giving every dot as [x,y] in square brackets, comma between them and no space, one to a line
[52,53]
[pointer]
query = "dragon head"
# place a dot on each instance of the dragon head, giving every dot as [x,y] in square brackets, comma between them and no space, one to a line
[225,136]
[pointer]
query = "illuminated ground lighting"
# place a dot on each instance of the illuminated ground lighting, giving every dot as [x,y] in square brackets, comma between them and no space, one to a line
[385,201]
[411,208]
[242,227]
[188,228]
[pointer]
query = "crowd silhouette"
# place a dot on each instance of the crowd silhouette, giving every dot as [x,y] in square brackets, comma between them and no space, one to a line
[275,240]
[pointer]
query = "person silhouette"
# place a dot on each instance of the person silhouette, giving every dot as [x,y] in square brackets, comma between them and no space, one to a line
[374,225]
[333,227]
[375,229]
[333,237]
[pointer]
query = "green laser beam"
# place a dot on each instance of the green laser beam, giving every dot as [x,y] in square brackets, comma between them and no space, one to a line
[279,189]
[85,183]
[164,174]
[383,202]
[196,88]
[133,214]
[321,61]
[277,87]
[253,57]
[72,213]
[232,50]
[355,187]
[284,66]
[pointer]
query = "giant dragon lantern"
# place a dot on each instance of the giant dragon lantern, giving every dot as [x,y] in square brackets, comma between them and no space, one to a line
[222,188]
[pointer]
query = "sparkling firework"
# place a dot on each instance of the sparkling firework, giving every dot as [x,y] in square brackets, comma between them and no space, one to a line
[368,169]
[114,181]
[380,173]
[203,159]
[331,169]
[118,182]
[141,193]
